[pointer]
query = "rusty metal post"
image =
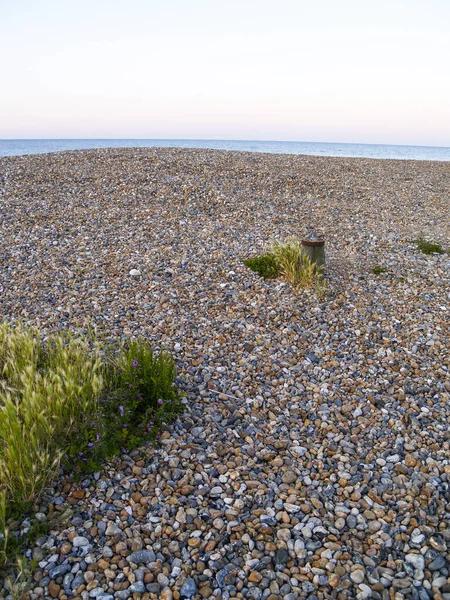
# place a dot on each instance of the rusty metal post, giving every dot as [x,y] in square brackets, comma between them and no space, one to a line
[314,248]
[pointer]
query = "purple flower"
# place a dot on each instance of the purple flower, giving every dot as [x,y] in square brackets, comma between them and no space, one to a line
[80,453]
[160,401]
[90,445]
[97,437]
[135,363]
[122,410]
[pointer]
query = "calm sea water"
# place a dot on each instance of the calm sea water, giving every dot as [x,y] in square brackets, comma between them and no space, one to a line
[19,147]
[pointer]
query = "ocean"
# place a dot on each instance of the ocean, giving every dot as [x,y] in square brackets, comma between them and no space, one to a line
[20,147]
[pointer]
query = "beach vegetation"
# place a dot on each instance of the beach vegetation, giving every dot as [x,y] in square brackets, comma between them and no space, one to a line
[428,247]
[69,402]
[265,265]
[296,267]
[287,260]
[378,270]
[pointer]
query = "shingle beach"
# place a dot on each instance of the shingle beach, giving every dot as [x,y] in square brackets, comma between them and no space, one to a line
[313,459]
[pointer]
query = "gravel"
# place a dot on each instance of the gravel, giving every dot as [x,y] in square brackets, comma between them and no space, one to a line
[313,459]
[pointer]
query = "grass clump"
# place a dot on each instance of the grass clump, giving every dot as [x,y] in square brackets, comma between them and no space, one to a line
[46,389]
[296,266]
[289,261]
[428,247]
[71,402]
[378,270]
[266,266]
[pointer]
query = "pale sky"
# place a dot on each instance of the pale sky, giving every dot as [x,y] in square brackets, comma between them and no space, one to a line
[370,71]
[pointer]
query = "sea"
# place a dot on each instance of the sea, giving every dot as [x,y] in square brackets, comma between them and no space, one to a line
[20,147]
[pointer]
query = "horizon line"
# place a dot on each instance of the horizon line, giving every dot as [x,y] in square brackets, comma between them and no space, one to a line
[218,140]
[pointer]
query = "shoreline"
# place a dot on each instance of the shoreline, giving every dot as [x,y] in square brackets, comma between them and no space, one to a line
[324,467]
[315,149]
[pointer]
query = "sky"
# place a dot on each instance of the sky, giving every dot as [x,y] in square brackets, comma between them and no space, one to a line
[301,70]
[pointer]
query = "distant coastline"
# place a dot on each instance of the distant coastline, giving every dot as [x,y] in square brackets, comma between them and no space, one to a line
[21,147]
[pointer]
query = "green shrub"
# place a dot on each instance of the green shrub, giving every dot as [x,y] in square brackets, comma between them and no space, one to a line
[378,270]
[266,266]
[429,247]
[140,397]
[289,261]
[71,401]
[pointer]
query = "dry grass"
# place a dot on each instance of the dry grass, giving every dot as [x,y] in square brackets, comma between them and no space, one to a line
[297,268]
[45,389]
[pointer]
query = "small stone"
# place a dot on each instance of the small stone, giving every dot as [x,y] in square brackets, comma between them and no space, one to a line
[357,576]
[393,458]
[281,557]
[289,477]
[284,534]
[79,541]
[135,273]
[59,571]
[438,544]
[166,594]
[417,537]
[142,556]
[374,526]
[54,589]
[66,548]
[188,589]
[113,529]
[416,560]
[137,587]
[299,450]
[365,593]
[438,563]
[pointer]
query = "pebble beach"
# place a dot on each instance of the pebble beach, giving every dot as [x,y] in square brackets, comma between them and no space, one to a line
[313,458]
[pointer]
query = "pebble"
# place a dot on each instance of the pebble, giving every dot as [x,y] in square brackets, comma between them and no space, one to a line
[142,556]
[305,464]
[188,589]
[80,540]
[438,563]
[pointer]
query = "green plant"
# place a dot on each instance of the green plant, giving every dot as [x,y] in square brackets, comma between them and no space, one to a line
[428,247]
[45,391]
[266,266]
[140,398]
[18,581]
[296,266]
[71,401]
[378,270]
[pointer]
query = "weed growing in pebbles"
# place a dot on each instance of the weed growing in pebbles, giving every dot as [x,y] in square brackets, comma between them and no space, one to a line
[428,247]
[64,401]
